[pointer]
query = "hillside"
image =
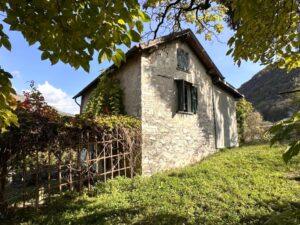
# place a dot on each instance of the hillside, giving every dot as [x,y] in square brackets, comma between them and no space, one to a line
[263,89]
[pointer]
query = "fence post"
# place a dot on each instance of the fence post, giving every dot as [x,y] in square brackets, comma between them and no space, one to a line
[79,169]
[37,197]
[118,152]
[24,182]
[104,157]
[131,159]
[49,175]
[59,173]
[88,160]
[70,170]
[96,155]
[111,156]
[79,162]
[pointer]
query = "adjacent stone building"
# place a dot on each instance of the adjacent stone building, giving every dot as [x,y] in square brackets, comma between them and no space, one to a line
[186,107]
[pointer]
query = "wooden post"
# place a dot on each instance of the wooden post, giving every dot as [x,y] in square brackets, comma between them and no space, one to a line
[59,173]
[124,150]
[96,155]
[24,182]
[88,160]
[111,156]
[104,157]
[118,152]
[79,162]
[37,197]
[131,159]
[79,169]
[49,175]
[70,170]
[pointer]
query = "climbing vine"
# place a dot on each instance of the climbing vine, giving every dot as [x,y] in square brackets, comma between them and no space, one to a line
[106,98]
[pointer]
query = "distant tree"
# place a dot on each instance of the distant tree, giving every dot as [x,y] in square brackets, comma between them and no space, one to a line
[254,129]
[243,110]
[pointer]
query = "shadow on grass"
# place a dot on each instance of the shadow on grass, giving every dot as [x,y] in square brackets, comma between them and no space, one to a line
[280,213]
[287,213]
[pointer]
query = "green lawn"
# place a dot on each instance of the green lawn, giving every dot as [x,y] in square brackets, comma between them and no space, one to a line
[247,185]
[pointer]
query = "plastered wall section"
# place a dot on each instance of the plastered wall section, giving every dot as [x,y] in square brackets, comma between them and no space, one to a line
[130,80]
[225,117]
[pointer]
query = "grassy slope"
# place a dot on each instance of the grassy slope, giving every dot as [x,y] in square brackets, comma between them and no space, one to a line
[248,185]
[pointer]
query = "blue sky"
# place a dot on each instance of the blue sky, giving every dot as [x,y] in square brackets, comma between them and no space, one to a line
[60,82]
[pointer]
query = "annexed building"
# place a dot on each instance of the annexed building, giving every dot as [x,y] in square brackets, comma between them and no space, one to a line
[186,107]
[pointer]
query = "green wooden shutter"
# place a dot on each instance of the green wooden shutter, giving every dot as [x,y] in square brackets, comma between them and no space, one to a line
[194,98]
[180,94]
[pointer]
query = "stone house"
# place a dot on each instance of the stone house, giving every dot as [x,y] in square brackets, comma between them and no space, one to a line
[186,107]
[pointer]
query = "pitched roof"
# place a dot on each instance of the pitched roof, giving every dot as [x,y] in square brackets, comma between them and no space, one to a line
[188,37]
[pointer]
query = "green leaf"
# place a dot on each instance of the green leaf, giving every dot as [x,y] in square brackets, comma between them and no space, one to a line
[134,36]
[292,150]
[144,16]
[139,26]
[45,55]
[5,42]
[121,55]
[229,51]
[102,56]
[121,21]
[126,40]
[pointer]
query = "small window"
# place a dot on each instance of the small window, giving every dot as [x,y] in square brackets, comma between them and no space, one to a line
[187,97]
[183,61]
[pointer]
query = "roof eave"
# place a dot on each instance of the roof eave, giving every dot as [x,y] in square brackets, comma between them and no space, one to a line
[186,35]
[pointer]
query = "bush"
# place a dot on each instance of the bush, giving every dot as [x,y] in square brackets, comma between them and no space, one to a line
[251,127]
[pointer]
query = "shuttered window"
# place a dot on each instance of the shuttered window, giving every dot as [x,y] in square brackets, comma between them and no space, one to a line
[183,60]
[187,97]
[194,99]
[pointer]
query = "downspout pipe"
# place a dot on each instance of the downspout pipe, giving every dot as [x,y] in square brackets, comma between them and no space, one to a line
[75,99]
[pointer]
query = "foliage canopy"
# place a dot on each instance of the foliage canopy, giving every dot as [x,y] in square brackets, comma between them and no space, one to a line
[74,31]
[264,31]
[7,101]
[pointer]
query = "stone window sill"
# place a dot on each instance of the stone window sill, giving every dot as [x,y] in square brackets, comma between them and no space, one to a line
[187,113]
[186,71]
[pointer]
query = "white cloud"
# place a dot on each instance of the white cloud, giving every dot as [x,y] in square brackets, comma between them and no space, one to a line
[58,98]
[16,73]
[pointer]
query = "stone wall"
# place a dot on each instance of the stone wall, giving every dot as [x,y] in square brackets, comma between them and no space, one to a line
[172,139]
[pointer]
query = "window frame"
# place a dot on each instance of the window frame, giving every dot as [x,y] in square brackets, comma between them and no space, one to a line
[187,97]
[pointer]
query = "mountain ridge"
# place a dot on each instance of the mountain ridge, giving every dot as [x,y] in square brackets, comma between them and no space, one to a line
[264,88]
